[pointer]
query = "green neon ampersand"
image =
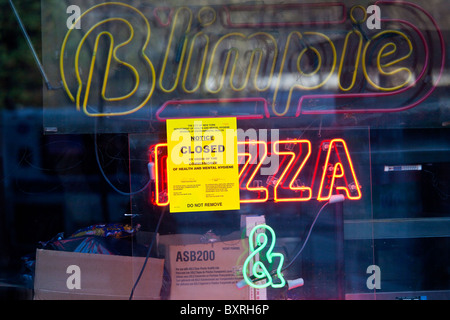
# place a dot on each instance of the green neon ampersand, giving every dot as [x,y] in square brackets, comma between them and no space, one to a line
[259,271]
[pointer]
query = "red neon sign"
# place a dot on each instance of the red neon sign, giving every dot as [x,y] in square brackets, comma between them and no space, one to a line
[333,173]
[250,166]
[340,170]
[293,162]
[159,157]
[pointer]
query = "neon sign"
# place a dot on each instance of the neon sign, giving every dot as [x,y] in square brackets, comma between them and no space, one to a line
[294,161]
[333,172]
[236,56]
[250,166]
[258,241]
[337,172]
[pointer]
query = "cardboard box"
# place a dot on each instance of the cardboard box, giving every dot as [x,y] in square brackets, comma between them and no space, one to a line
[95,276]
[207,271]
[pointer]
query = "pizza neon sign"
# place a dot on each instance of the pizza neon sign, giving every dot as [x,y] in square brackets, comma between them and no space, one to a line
[333,172]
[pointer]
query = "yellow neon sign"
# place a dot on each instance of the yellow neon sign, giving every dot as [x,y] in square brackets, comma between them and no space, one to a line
[111,54]
[199,62]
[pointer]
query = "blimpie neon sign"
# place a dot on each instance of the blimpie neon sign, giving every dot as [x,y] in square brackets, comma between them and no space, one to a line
[333,173]
[280,74]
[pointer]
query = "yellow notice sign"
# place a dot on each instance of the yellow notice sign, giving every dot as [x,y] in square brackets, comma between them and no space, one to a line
[203,172]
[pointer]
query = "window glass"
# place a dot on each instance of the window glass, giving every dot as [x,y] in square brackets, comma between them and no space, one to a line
[224,150]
